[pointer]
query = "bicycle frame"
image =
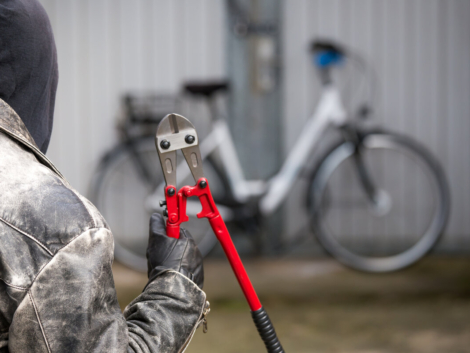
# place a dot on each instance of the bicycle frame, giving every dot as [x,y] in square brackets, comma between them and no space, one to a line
[329,111]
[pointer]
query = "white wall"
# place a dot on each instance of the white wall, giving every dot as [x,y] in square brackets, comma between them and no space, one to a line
[420,49]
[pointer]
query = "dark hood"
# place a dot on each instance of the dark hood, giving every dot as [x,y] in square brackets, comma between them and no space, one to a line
[28,66]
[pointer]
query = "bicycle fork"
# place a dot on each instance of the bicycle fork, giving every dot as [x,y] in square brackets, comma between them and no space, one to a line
[378,198]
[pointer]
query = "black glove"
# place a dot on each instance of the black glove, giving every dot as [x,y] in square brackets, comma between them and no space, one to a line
[165,253]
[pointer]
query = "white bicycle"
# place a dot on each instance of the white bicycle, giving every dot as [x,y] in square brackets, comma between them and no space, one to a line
[378,201]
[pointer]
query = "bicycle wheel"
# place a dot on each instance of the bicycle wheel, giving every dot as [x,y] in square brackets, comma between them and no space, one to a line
[127,198]
[379,204]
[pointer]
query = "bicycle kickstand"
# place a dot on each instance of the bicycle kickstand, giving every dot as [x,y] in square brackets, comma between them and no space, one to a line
[175,132]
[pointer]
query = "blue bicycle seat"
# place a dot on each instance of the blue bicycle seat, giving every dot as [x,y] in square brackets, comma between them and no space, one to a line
[326,53]
[325,59]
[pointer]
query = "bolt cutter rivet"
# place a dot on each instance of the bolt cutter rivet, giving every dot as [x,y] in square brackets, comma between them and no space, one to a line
[171,191]
[203,184]
[173,218]
[189,139]
[165,144]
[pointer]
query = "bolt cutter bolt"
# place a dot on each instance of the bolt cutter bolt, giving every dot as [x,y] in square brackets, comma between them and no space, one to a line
[162,203]
[165,212]
[189,139]
[171,192]
[165,144]
[202,184]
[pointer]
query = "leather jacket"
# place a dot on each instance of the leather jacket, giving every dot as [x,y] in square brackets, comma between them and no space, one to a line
[57,291]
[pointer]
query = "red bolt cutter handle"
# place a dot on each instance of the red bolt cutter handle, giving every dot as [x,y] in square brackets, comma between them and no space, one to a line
[220,230]
[176,205]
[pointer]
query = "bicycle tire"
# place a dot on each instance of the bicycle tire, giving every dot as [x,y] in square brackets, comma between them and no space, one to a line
[320,198]
[130,230]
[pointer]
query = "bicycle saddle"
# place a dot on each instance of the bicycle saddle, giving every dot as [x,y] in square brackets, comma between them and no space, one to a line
[326,53]
[319,45]
[206,88]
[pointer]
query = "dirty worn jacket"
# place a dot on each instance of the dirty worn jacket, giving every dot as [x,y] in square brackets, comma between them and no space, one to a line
[57,291]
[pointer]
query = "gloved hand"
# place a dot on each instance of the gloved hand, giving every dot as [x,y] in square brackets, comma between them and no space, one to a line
[165,253]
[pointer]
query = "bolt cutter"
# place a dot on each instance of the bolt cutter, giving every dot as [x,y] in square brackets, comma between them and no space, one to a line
[174,133]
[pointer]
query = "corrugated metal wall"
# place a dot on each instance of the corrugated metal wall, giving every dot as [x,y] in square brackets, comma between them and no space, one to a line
[420,49]
[421,52]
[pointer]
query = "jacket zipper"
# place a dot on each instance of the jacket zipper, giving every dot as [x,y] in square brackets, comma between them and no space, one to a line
[203,320]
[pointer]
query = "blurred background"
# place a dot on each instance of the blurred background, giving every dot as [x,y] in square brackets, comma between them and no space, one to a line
[419,52]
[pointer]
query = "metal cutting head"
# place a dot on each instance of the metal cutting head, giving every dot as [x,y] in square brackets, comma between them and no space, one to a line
[174,133]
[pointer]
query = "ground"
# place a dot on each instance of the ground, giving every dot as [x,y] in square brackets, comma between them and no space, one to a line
[320,306]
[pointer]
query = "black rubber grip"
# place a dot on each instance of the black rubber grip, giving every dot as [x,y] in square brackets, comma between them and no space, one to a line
[266,331]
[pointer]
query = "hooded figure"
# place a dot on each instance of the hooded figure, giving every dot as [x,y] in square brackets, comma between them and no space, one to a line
[28,66]
[56,285]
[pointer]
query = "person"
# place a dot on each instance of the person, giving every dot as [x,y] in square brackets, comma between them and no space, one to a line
[57,291]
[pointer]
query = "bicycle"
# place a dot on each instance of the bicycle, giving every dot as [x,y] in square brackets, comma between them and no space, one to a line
[358,211]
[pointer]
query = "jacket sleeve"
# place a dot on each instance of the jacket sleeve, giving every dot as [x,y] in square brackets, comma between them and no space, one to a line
[72,306]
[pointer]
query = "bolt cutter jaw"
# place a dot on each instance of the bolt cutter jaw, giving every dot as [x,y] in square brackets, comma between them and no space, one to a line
[174,133]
